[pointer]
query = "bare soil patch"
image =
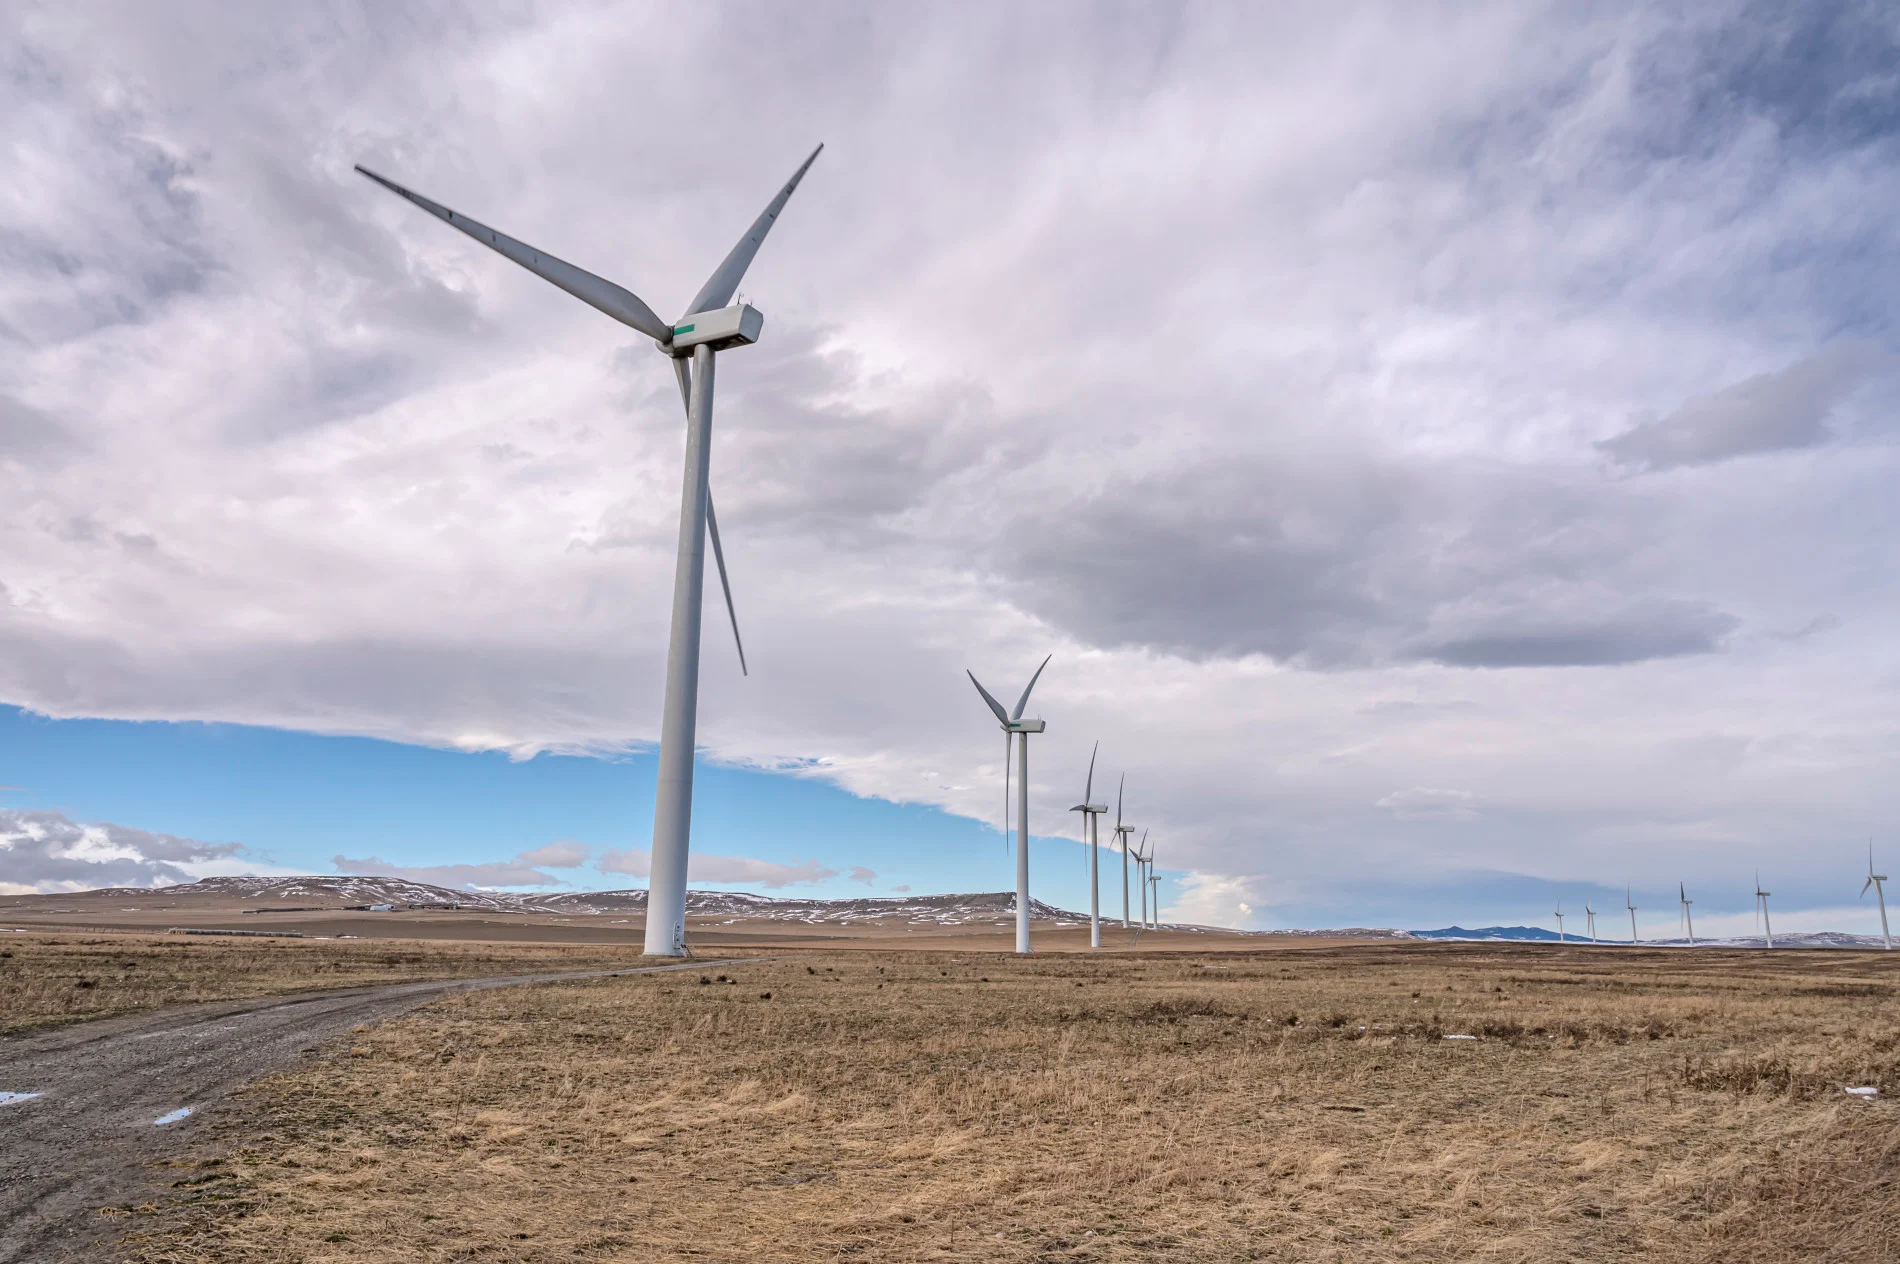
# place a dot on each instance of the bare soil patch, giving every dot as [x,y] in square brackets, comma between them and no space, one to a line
[1662,1106]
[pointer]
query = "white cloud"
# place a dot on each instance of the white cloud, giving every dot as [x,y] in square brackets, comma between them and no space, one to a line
[1208,899]
[490,876]
[724,870]
[557,855]
[43,851]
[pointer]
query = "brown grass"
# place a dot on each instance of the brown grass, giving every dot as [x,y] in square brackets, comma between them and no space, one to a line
[1662,1106]
[49,979]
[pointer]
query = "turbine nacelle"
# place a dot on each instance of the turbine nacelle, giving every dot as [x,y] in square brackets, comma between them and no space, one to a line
[720,330]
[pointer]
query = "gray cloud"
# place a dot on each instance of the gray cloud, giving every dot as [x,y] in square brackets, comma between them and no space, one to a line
[1766,413]
[860,874]
[1663,630]
[1339,564]
[26,434]
[47,851]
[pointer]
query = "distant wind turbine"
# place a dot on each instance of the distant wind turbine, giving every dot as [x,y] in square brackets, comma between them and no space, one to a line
[1761,910]
[1121,840]
[1560,922]
[1141,876]
[1629,902]
[1154,882]
[708,326]
[1091,838]
[1590,921]
[1880,893]
[1017,730]
[1688,918]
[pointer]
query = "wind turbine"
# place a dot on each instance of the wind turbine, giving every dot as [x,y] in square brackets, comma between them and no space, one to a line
[1629,903]
[1761,908]
[1880,893]
[1590,921]
[1688,918]
[1154,884]
[1560,922]
[1121,838]
[1017,730]
[707,327]
[1141,877]
[1091,838]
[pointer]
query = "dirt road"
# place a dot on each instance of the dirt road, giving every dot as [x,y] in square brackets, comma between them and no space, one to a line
[85,1110]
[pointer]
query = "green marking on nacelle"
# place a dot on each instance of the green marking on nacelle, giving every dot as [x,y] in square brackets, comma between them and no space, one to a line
[683,329]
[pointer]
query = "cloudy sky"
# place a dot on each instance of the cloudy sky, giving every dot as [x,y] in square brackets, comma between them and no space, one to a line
[1448,450]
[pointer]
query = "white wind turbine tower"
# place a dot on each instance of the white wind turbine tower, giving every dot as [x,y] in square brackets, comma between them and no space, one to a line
[1761,910]
[1560,922]
[1091,838]
[1590,921]
[707,327]
[1880,893]
[1121,840]
[1141,877]
[1154,884]
[1017,730]
[1688,918]
[1629,902]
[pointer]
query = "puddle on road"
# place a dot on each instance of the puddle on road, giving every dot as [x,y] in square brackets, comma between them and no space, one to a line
[171,1117]
[7,1099]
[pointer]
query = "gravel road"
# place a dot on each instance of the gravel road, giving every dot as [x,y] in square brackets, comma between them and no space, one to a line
[85,1110]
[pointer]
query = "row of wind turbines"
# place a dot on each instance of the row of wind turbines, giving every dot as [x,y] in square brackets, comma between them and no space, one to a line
[1016,731]
[1874,883]
[714,322]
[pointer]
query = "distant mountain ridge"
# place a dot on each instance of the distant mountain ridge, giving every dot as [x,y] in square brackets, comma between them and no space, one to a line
[346,891]
[1537,934]
[313,892]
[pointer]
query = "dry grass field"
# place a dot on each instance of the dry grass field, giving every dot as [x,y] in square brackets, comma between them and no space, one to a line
[1294,1105]
[48,979]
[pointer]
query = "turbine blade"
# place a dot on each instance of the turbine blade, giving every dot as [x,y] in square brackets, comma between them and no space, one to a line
[719,287]
[1123,784]
[683,373]
[1088,788]
[1024,700]
[1865,885]
[719,556]
[623,305]
[995,706]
